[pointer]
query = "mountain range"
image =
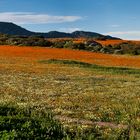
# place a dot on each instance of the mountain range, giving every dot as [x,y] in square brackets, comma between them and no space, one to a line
[13,29]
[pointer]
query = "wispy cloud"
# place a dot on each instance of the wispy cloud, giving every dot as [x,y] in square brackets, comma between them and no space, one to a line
[115,25]
[126,34]
[33,18]
[69,30]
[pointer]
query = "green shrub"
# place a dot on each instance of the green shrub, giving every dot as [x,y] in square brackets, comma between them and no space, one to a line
[79,46]
[59,44]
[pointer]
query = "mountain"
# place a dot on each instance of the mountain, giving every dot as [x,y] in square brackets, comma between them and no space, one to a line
[86,34]
[56,34]
[13,29]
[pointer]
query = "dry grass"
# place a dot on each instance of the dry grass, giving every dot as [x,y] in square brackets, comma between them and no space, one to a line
[77,95]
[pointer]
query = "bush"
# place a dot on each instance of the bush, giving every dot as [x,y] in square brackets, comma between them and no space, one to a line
[59,44]
[68,44]
[79,46]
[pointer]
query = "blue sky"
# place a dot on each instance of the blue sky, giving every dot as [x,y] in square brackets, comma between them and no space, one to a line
[120,18]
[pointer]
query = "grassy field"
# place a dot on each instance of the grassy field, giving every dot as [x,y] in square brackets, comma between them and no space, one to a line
[44,94]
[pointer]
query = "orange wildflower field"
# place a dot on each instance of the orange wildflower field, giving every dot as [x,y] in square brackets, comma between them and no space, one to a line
[37,53]
[111,42]
[103,42]
[114,42]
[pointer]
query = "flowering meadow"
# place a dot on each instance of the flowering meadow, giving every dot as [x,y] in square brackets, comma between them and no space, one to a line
[50,93]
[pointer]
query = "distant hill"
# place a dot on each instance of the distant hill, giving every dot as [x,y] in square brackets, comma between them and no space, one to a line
[13,29]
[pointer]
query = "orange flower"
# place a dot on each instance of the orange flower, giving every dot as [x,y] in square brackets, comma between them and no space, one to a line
[39,53]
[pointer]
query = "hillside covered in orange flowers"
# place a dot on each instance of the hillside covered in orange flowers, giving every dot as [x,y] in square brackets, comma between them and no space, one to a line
[37,53]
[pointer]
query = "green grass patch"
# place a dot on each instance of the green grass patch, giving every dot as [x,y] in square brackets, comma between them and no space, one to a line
[112,70]
[67,62]
[27,123]
[31,123]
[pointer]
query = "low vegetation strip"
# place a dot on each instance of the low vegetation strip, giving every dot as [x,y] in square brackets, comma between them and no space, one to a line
[102,45]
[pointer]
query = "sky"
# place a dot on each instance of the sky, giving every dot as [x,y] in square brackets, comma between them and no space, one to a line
[119,18]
